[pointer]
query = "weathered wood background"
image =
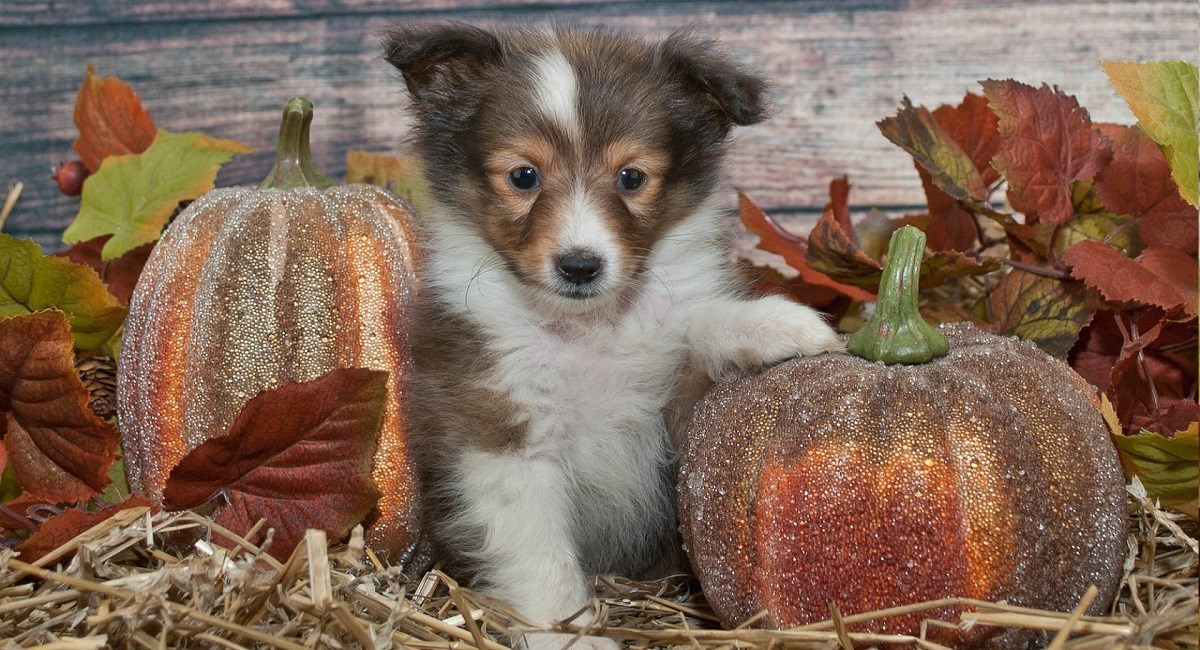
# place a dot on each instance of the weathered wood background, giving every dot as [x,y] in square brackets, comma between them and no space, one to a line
[225,67]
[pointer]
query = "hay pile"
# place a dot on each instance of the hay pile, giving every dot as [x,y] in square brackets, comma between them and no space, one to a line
[124,587]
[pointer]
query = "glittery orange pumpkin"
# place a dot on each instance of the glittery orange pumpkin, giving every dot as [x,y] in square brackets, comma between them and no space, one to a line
[251,288]
[987,473]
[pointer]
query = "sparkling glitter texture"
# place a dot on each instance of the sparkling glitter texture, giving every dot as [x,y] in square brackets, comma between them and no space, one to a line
[987,473]
[252,288]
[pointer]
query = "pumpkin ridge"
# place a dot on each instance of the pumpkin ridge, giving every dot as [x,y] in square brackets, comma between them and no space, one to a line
[164,298]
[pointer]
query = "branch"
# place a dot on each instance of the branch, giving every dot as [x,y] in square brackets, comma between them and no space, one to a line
[1038,270]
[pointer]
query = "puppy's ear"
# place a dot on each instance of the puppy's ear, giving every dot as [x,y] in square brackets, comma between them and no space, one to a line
[436,56]
[735,95]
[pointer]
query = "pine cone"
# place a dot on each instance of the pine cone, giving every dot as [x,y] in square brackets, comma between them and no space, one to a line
[99,375]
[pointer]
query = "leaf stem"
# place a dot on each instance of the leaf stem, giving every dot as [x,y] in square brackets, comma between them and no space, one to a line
[1037,270]
[1144,367]
[975,206]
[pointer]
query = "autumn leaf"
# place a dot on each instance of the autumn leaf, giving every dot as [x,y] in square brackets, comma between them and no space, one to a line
[1093,221]
[833,244]
[1045,310]
[1047,141]
[131,197]
[1163,96]
[119,275]
[1164,277]
[58,448]
[974,127]
[1166,465]
[73,522]
[971,125]
[401,175]
[299,456]
[111,120]
[916,131]
[774,239]
[1145,361]
[832,250]
[1138,183]
[31,282]
[939,266]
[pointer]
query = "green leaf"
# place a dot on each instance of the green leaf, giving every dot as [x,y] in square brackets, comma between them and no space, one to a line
[1162,95]
[401,175]
[914,130]
[1048,311]
[131,197]
[31,281]
[10,487]
[1167,466]
[1093,221]
[118,490]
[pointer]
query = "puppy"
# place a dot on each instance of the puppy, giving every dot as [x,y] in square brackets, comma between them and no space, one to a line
[578,268]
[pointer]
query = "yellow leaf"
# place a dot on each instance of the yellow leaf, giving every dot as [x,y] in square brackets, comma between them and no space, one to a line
[131,197]
[402,175]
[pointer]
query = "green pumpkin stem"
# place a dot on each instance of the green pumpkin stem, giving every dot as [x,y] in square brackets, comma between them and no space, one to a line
[896,332]
[293,159]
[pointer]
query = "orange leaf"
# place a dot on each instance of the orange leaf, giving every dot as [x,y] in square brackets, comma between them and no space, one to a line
[774,239]
[59,450]
[299,456]
[111,120]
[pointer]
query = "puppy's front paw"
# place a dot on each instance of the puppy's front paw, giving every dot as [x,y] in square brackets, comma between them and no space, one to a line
[774,329]
[549,641]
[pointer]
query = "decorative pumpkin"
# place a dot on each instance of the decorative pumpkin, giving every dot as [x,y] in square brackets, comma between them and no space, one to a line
[987,473]
[251,288]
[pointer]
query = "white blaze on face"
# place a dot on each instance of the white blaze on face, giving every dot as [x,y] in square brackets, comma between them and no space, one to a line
[586,229]
[556,90]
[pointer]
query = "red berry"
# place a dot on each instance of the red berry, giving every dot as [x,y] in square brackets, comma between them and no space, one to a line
[70,176]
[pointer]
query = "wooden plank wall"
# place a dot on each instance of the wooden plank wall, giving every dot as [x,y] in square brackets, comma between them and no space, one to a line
[225,67]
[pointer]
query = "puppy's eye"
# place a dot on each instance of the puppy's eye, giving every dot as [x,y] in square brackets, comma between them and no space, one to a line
[524,178]
[630,179]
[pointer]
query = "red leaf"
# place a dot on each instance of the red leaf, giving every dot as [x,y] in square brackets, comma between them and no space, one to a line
[1138,182]
[839,205]
[72,523]
[121,275]
[1047,141]
[111,120]
[833,245]
[1163,277]
[975,128]
[299,456]
[774,239]
[972,125]
[950,226]
[834,251]
[58,448]
[1146,366]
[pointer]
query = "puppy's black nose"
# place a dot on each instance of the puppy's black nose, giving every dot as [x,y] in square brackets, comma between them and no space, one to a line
[579,267]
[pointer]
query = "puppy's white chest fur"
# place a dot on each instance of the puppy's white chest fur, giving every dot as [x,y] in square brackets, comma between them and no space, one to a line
[579,386]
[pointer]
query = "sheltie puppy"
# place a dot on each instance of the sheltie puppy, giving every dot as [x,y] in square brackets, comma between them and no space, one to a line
[578,280]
